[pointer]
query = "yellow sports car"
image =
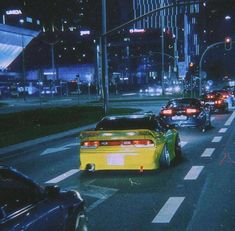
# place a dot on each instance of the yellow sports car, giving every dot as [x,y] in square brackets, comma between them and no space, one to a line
[131,142]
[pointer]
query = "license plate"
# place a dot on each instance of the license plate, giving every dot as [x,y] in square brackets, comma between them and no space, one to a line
[210,103]
[182,117]
[115,160]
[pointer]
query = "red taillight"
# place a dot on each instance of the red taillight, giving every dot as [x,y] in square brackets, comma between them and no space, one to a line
[90,143]
[167,112]
[142,142]
[218,101]
[192,111]
[225,96]
[210,97]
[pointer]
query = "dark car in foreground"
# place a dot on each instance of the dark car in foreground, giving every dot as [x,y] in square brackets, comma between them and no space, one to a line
[216,101]
[186,112]
[24,205]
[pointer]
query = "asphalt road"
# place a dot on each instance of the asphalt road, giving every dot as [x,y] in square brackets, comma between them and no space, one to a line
[197,193]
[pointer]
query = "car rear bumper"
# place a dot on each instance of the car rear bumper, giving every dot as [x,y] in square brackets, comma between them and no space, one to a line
[132,159]
[189,122]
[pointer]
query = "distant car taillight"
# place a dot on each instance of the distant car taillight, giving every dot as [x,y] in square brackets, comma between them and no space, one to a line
[210,96]
[219,101]
[167,112]
[192,111]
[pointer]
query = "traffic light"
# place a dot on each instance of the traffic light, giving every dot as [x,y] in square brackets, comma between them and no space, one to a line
[228,43]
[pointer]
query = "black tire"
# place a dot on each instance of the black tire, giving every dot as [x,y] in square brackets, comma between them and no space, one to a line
[165,161]
[178,150]
[78,222]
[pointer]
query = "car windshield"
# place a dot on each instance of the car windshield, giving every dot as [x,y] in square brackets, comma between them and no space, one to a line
[184,103]
[126,124]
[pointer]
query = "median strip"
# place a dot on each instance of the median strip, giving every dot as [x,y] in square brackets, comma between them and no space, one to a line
[168,210]
[63,176]
[193,173]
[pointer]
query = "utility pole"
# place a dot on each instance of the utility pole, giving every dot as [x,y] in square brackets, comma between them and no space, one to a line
[23,67]
[104,60]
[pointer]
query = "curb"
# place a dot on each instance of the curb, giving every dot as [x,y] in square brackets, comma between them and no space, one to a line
[30,143]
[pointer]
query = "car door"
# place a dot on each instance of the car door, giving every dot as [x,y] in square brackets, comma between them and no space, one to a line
[24,206]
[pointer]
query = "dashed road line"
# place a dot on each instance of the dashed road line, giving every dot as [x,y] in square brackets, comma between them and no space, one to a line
[223,130]
[63,176]
[230,119]
[183,143]
[208,152]
[168,210]
[193,173]
[216,139]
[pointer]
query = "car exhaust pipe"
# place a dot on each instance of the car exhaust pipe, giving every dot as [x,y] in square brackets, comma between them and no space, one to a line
[90,167]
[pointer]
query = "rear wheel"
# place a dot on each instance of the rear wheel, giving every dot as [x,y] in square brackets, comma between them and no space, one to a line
[165,160]
[79,222]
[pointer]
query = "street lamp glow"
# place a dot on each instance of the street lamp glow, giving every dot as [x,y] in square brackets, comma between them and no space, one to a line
[227,17]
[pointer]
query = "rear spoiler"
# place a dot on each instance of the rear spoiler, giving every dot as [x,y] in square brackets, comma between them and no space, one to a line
[117,133]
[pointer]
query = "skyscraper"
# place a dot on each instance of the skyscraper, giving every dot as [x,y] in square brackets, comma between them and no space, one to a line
[181,20]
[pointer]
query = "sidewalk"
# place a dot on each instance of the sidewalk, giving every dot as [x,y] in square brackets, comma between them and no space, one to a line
[30,143]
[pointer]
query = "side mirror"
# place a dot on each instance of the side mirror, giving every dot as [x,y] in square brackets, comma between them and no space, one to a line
[52,191]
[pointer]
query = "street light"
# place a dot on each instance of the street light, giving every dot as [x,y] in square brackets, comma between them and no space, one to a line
[228,43]
[227,17]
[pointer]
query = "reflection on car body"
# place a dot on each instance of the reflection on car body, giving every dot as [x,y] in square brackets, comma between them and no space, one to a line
[131,142]
[24,205]
[186,112]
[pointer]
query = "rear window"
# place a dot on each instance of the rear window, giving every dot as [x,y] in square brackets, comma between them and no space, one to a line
[126,124]
[184,103]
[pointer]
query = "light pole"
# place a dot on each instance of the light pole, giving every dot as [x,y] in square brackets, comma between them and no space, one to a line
[104,61]
[200,64]
[23,66]
[105,34]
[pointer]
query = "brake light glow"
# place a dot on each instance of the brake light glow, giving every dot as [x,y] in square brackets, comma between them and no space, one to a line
[167,112]
[191,110]
[137,143]
[210,96]
[218,102]
[90,143]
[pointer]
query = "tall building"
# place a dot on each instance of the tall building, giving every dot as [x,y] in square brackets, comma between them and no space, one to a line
[182,21]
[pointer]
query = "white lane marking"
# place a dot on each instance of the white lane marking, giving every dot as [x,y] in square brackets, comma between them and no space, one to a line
[193,173]
[168,210]
[63,176]
[102,193]
[72,144]
[223,130]
[208,152]
[183,143]
[216,139]
[230,119]
[212,118]
[58,149]
[53,150]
